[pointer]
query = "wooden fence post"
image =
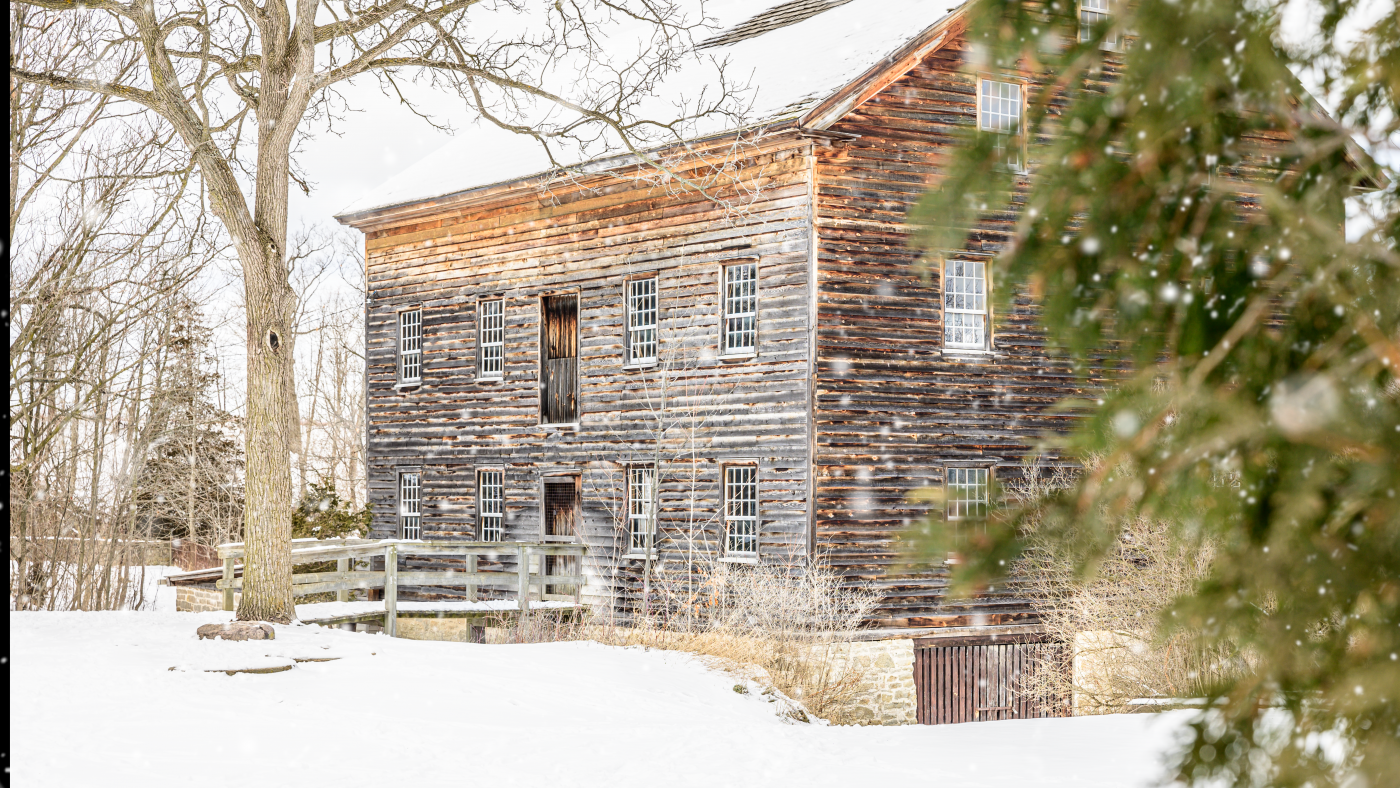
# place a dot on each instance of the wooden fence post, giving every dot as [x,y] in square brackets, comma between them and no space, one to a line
[471,584]
[228,583]
[523,571]
[391,590]
[343,565]
[578,587]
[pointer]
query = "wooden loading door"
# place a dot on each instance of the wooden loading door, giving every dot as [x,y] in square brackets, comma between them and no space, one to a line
[975,681]
[559,360]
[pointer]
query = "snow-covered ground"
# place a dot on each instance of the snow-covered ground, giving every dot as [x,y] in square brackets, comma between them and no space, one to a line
[122,698]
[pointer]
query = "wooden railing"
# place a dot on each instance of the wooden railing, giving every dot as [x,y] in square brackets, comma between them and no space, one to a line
[346,579]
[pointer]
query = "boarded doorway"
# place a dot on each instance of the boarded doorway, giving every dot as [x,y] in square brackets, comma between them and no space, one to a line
[978,679]
[561,524]
[559,360]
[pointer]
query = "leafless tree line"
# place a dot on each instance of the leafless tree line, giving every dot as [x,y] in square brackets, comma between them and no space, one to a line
[107,245]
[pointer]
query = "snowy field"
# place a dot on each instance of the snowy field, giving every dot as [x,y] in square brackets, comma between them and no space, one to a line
[94,701]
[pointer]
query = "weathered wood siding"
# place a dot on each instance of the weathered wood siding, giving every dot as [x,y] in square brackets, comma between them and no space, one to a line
[893,406]
[586,239]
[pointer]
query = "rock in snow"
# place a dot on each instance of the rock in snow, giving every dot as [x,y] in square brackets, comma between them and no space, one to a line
[237,630]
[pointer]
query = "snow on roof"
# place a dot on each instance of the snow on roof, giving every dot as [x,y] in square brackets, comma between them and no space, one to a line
[792,56]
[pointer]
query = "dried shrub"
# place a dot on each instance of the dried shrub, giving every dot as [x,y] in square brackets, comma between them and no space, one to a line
[1113,618]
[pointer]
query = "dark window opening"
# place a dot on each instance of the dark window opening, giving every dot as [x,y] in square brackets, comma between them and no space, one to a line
[559,360]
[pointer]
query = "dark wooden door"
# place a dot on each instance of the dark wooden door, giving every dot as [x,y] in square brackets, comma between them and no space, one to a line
[559,360]
[970,681]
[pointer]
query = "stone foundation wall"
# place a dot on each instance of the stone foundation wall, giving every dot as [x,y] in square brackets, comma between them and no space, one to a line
[193,599]
[888,684]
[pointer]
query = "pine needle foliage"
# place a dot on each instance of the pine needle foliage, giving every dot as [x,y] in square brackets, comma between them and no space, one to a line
[1182,221]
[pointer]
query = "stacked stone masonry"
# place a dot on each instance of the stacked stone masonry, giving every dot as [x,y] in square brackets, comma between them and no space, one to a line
[193,599]
[888,681]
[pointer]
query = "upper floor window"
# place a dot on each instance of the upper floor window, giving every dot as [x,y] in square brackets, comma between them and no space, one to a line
[965,304]
[490,504]
[741,510]
[1093,13]
[491,338]
[641,320]
[410,501]
[967,492]
[641,508]
[411,346]
[999,112]
[740,325]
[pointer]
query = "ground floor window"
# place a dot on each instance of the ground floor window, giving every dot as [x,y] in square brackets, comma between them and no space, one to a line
[741,510]
[490,504]
[410,500]
[641,507]
[967,492]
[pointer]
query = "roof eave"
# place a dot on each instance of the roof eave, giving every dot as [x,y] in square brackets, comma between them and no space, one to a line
[425,206]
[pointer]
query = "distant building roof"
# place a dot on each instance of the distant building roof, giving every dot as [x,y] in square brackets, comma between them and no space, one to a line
[789,13]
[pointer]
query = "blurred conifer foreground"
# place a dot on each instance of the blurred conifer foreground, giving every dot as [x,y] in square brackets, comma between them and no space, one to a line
[1260,408]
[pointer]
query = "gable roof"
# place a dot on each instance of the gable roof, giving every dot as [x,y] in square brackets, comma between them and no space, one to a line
[808,62]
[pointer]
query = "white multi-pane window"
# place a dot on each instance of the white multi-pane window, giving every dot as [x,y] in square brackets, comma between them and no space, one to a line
[641,320]
[965,304]
[741,510]
[1093,13]
[999,112]
[641,507]
[966,491]
[490,504]
[740,326]
[410,503]
[491,337]
[411,346]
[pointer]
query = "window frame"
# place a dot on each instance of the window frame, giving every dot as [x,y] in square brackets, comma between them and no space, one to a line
[1019,136]
[728,553]
[1112,43]
[481,513]
[726,352]
[651,510]
[987,262]
[402,354]
[404,474]
[482,344]
[987,472]
[629,358]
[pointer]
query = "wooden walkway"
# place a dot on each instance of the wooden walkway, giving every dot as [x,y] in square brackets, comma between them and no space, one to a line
[347,553]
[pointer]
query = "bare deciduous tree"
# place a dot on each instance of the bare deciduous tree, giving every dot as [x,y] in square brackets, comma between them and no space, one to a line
[237,80]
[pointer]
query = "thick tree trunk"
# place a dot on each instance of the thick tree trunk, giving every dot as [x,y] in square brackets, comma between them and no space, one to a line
[273,428]
[267,524]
